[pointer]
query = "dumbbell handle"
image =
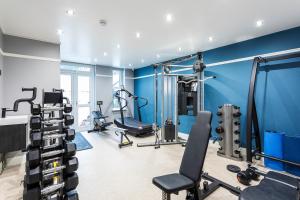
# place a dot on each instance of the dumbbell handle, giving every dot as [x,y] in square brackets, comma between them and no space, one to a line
[50,132]
[52,108]
[52,121]
[52,188]
[52,153]
[53,136]
[53,170]
[51,146]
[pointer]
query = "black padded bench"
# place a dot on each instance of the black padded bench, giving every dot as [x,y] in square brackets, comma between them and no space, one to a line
[190,172]
[274,186]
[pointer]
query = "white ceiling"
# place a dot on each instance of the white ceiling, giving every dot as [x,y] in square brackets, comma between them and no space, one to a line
[83,39]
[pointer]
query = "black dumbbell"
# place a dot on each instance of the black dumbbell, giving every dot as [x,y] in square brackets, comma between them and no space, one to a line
[245,177]
[36,121]
[237,151]
[220,129]
[72,195]
[237,114]
[237,132]
[36,109]
[68,108]
[34,156]
[35,175]
[237,141]
[36,193]
[252,173]
[237,123]
[219,113]
[236,107]
[37,137]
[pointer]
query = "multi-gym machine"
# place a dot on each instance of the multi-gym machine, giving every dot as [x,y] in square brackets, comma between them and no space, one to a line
[170,78]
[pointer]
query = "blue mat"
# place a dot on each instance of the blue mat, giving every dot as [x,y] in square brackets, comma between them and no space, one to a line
[81,142]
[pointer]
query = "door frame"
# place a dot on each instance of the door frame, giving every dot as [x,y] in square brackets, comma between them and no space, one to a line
[74,94]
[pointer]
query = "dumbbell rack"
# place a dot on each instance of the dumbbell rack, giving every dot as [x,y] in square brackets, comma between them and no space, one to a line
[229,131]
[50,162]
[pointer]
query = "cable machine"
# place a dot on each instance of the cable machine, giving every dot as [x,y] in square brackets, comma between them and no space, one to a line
[169,88]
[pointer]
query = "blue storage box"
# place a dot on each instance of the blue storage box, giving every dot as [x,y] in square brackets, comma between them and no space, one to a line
[273,146]
[291,152]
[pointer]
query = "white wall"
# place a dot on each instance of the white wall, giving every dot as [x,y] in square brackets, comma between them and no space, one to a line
[27,72]
[1,69]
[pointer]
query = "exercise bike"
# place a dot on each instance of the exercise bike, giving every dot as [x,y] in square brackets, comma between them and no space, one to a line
[101,125]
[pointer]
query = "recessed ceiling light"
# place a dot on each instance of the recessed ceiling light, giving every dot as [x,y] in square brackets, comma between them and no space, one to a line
[95,60]
[210,39]
[130,65]
[169,17]
[59,31]
[70,12]
[105,54]
[259,23]
[138,34]
[179,49]
[118,46]
[157,56]
[102,22]
[142,61]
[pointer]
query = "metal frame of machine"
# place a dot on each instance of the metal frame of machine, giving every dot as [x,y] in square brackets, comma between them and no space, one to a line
[166,78]
[252,118]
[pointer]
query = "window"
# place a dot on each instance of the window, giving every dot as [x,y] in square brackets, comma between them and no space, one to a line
[118,82]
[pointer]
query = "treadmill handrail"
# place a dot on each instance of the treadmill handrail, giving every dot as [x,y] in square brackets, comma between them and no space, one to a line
[117,95]
[145,104]
[129,94]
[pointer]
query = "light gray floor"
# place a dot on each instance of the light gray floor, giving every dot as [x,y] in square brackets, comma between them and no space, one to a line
[107,172]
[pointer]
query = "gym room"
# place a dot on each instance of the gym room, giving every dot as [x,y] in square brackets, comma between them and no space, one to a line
[149,100]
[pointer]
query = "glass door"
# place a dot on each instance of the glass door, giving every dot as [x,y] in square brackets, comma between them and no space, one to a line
[83,101]
[78,86]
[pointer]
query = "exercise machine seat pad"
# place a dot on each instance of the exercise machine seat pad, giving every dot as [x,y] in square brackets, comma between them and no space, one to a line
[173,183]
[196,146]
[269,190]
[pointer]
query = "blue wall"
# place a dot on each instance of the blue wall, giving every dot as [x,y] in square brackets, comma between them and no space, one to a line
[277,92]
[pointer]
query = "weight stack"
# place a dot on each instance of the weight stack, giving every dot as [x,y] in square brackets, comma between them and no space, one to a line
[229,131]
[51,164]
[169,131]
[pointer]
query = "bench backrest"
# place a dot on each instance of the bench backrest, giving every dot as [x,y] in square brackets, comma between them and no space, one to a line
[196,146]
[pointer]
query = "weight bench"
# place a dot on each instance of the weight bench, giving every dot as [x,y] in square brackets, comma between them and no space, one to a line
[190,172]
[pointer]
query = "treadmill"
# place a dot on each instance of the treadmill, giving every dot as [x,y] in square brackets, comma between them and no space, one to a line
[134,127]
